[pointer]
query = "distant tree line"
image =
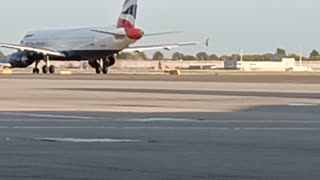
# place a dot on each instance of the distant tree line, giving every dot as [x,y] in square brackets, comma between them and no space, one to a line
[160,56]
[277,56]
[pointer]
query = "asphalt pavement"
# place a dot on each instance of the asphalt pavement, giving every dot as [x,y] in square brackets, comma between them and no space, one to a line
[125,129]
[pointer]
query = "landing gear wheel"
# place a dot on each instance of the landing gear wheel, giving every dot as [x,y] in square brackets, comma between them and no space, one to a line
[45,69]
[105,70]
[35,71]
[98,70]
[52,69]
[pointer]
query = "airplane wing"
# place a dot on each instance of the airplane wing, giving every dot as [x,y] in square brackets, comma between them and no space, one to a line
[162,33]
[160,46]
[32,49]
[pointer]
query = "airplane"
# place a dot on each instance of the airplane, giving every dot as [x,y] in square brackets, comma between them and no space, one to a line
[98,45]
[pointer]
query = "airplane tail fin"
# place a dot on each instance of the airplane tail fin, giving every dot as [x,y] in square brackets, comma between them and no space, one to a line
[128,14]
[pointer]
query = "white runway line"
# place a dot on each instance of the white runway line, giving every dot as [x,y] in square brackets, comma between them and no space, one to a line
[219,121]
[46,115]
[79,140]
[302,104]
[70,119]
[47,120]
[163,119]
[167,128]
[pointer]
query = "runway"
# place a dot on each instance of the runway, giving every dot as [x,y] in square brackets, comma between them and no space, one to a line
[56,128]
[301,78]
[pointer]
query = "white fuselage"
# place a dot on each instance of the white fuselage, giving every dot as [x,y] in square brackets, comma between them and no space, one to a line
[78,40]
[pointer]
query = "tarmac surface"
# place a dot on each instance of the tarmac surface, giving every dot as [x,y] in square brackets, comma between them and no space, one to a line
[268,77]
[121,129]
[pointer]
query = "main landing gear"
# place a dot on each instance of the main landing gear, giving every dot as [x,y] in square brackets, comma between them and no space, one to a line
[102,66]
[47,68]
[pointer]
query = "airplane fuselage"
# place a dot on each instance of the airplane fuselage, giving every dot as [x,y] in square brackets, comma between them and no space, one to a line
[78,43]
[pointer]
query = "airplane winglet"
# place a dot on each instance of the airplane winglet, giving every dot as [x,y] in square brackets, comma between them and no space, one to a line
[207,42]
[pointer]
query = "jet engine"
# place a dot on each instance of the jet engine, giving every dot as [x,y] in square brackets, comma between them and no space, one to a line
[20,60]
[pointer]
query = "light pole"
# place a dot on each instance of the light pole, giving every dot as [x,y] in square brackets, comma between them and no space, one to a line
[241,59]
[300,57]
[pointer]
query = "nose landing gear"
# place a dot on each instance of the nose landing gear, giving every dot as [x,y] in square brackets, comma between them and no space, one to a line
[36,69]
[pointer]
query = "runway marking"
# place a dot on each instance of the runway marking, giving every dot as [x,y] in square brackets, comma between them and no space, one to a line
[167,128]
[220,121]
[79,140]
[46,115]
[48,120]
[163,119]
[167,120]
[302,104]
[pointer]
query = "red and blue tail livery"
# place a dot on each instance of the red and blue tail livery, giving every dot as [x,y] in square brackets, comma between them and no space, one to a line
[128,14]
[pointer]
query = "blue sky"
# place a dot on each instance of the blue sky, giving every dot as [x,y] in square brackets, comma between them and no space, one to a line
[252,25]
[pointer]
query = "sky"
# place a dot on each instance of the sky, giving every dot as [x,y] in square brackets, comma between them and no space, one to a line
[256,26]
